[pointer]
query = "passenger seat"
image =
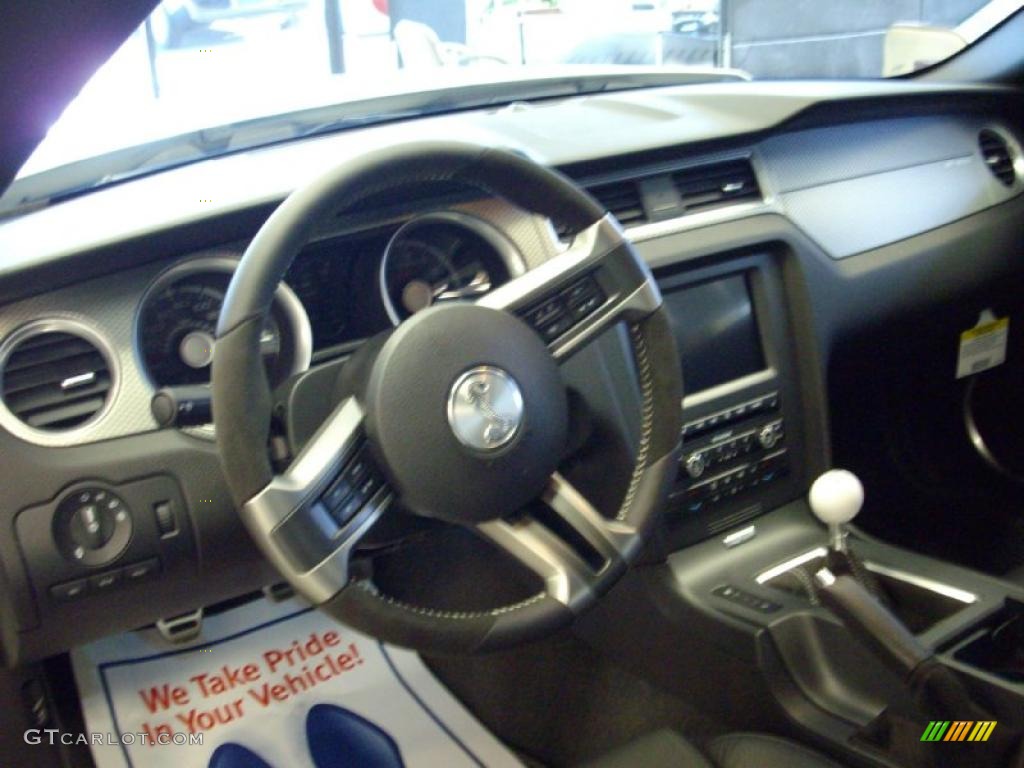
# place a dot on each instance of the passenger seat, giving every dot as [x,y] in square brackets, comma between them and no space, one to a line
[667,749]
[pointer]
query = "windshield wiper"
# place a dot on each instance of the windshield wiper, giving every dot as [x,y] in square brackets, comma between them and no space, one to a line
[42,189]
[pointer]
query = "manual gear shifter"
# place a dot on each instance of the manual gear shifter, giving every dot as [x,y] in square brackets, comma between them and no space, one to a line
[851,591]
[836,498]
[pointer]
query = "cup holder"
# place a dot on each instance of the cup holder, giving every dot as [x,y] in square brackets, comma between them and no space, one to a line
[997,646]
[993,410]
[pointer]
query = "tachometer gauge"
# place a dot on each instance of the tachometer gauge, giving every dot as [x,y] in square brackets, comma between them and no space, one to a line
[443,257]
[178,320]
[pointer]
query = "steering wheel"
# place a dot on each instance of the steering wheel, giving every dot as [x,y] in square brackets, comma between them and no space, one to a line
[463,416]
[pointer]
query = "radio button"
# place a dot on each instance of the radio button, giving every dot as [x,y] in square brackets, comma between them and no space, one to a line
[770,435]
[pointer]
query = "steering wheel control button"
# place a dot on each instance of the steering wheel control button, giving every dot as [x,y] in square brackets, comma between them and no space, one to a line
[545,313]
[92,526]
[556,315]
[557,327]
[354,487]
[337,492]
[485,408]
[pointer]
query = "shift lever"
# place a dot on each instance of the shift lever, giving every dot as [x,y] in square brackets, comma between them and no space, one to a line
[836,498]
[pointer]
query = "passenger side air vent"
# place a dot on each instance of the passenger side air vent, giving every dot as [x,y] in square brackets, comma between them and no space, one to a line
[712,186]
[623,199]
[54,379]
[996,153]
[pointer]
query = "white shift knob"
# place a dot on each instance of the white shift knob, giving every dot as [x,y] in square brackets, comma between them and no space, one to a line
[836,497]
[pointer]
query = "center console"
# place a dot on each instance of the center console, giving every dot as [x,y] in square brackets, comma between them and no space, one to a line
[739,596]
[762,600]
[742,435]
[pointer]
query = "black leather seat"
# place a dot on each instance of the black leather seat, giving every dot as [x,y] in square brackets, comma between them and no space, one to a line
[753,750]
[667,749]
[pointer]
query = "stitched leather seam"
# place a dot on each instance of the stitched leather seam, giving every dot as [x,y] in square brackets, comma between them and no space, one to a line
[646,419]
[372,590]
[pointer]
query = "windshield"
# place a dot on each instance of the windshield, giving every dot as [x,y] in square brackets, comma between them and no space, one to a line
[224,75]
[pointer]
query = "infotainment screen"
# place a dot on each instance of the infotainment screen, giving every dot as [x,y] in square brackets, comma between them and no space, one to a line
[716,332]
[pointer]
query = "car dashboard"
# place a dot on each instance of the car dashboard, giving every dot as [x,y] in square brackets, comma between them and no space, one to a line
[780,220]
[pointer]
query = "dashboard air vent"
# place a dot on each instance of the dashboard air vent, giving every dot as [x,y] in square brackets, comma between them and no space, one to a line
[623,199]
[54,380]
[711,186]
[996,153]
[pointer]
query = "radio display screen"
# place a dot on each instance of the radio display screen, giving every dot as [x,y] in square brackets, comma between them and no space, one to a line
[716,332]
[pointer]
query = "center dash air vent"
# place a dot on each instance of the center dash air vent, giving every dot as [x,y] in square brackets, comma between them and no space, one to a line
[711,186]
[54,380]
[623,199]
[996,153]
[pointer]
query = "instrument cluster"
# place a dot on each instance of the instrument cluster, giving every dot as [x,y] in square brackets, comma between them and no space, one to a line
[337,292]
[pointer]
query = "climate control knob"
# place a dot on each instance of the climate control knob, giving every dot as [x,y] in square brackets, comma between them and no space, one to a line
[696,464]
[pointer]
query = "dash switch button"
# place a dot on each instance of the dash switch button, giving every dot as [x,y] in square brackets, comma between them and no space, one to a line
[140,571]
[165,522]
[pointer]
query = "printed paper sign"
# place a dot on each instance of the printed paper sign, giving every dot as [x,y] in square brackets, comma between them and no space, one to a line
[983,346]
[278,683]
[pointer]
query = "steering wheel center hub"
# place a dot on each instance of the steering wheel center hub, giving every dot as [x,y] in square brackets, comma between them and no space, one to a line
[485,408]
[467,412]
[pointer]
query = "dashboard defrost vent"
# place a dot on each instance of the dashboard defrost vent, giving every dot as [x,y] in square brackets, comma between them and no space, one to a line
[712,186]
[623,199]
[54,380]
[996,153]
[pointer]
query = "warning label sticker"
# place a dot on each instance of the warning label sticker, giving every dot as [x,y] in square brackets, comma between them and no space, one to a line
[983,346]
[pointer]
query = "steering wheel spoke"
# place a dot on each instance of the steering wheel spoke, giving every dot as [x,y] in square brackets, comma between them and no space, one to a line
[573,297]
[573,549]
[310,518]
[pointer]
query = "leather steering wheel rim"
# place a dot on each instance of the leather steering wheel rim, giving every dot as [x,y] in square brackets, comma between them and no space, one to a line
[284,513]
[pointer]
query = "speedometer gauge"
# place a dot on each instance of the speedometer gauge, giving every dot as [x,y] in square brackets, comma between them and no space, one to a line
[177,326]
[442,257]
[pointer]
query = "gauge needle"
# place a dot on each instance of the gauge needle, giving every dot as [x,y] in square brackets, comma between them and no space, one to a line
[479,285]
